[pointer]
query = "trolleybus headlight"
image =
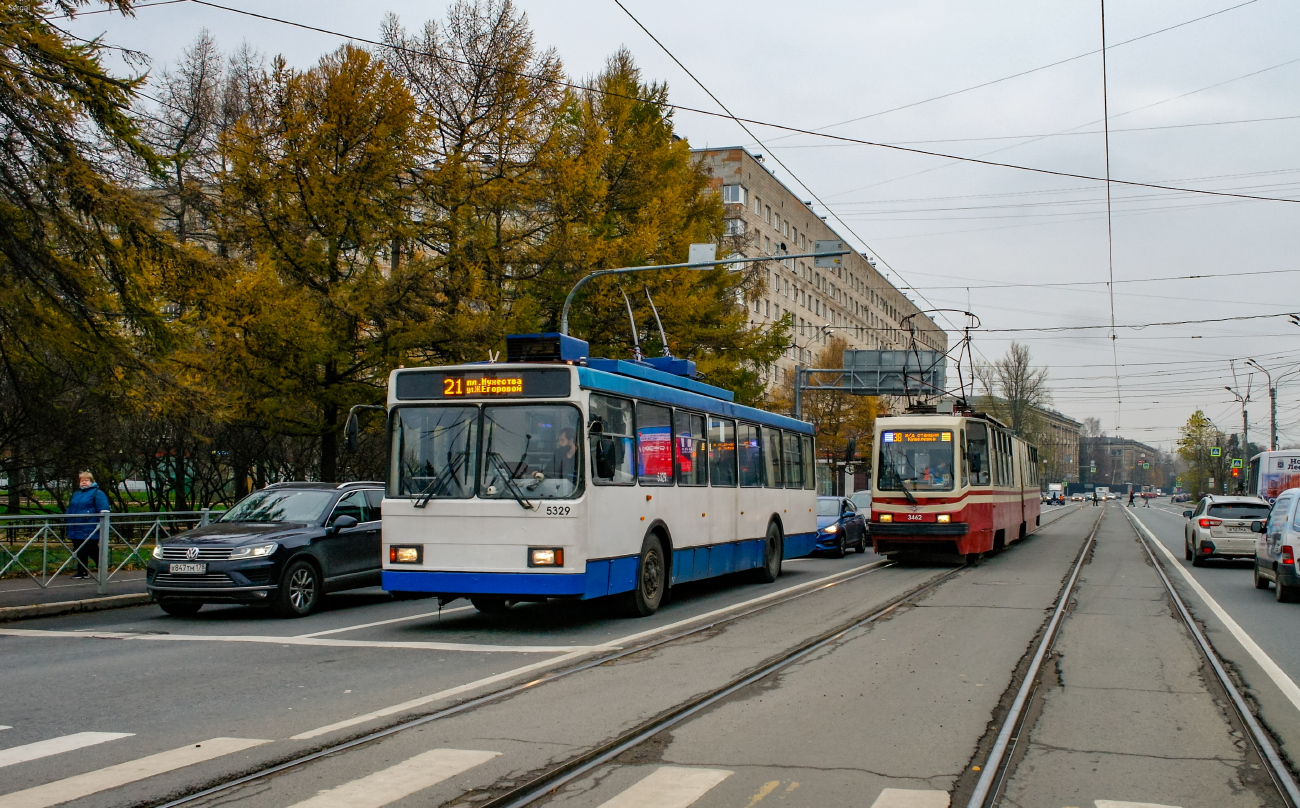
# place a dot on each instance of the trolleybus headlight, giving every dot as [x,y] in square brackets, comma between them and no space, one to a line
[406,555]
[545,557]
[254,551]
[945,517]
[886,517]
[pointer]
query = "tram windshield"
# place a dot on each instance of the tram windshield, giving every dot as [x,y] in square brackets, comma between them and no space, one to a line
[916,460]
[521,452]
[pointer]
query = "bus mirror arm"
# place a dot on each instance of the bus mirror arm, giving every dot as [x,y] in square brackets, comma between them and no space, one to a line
[351,429]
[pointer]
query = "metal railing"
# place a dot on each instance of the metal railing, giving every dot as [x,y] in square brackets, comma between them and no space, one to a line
[39,548]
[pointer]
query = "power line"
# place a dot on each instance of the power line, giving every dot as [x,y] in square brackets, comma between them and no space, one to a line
[1107,283]
[743,121]
[1137,326]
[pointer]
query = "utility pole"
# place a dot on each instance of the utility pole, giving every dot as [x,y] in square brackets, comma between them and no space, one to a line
[1244,400]
[1272,399]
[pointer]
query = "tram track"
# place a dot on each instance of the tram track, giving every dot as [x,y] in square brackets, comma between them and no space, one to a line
[560,774]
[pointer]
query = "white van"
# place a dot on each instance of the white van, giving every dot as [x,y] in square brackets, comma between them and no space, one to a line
[1277,547]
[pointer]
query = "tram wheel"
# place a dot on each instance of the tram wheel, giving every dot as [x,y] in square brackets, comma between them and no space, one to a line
[773,550]
[651,580]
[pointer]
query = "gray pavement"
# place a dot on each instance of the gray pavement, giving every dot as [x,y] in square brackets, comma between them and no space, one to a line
[24,591]
[1127,713]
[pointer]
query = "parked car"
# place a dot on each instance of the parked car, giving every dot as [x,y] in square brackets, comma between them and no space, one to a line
[1277,544]
[840,526]
[1219,527]
[284,546]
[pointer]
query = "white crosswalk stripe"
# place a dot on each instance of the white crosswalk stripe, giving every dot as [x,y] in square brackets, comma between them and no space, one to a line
[1120,804]
[669,787]
[404,779]
[83,785]
[911,798]
[55,746]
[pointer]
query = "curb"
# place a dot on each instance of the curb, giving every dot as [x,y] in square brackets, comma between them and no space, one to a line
[10,613]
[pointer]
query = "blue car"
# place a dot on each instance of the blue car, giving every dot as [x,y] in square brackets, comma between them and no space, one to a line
[840,526]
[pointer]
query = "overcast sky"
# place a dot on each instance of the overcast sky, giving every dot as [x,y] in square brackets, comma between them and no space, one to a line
[948,229]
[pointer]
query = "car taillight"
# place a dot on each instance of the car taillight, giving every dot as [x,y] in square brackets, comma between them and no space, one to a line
[1210,522]
[1288,555]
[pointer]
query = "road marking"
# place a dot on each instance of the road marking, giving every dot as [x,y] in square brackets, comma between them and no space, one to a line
[4,727]
[669,787]
[911,798]
[404,779]
[312,641]
[83,785]
[622,641]
[1118,804]
[54,746]
[387,622]
[1279,677]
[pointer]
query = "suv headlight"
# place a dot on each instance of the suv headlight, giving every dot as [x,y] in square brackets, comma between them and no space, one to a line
[157,551]
[253,551]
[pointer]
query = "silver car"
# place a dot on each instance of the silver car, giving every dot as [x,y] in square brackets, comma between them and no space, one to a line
[1219,527]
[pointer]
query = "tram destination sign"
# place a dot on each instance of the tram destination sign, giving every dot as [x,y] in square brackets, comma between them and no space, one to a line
[935,436]
[454,384]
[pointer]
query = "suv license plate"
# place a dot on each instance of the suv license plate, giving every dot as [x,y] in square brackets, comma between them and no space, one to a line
[1238,529]
[187,569]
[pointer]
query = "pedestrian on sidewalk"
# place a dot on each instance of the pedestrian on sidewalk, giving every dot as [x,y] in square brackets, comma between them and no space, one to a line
[1146,502]
[1132,495]
[84,532]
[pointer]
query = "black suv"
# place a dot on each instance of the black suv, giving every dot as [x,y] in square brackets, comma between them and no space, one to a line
[284,546]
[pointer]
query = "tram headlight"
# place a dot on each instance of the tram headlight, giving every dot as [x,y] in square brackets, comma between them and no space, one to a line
[886,517]
[406,555]
[545,557]
[945,517]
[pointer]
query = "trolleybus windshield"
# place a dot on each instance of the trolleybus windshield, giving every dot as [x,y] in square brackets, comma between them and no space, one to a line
[916,460]
[523,451]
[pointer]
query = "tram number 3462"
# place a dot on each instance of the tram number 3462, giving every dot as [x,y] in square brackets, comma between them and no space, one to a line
[914,517]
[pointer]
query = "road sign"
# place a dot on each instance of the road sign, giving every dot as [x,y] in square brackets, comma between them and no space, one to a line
[829,261]
[1146,465]
[1216,451]
[1236,463]
[701,253]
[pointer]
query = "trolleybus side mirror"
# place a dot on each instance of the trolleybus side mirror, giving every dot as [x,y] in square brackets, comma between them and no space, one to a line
[851,451]
[596,427]
[1187,514]
[1257,526]
[350,432]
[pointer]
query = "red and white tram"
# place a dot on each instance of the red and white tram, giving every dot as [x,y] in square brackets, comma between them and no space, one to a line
[951,485]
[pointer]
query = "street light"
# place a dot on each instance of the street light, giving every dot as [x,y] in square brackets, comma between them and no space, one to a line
[1272,398]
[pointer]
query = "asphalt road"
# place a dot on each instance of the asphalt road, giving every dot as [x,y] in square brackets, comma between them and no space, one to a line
[131,706]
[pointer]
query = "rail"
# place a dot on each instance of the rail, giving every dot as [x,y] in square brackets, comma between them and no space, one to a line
[40,548]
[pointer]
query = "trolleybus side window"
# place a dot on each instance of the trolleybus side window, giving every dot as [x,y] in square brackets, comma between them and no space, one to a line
[722,452]
[691,449]
[809,480]
[772,477]
[434,453]
[609,439]
[750,449]
[792,453]
[530,451]
[977,454]
[654,444]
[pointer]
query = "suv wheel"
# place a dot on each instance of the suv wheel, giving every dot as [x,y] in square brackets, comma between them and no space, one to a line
[1198,558]
[300,590]
[1187,549]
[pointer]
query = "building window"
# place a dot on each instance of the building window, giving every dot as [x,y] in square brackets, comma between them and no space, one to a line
[735,227]
[767,306]
[734,194]
[758,211]
[767,245]
[767,213]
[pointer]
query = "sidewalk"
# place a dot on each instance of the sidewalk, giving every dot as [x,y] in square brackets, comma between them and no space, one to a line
[21,598]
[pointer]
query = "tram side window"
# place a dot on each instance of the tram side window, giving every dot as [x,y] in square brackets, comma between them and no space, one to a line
[722,452]
[609,433]
[772,477]
[749,447]
[793,455]
[691,450]
[808,479]
[977,454]
[654,444]
[965,461]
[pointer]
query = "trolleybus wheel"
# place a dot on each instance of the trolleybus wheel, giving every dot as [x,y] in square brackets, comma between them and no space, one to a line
[651,580]
[773,550]
[1260,581]
[491,605]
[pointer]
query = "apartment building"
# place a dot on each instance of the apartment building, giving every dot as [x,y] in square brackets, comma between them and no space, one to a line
[853,301]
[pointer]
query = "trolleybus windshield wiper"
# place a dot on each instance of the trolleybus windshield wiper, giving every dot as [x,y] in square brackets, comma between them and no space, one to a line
[503,469]
[440,481]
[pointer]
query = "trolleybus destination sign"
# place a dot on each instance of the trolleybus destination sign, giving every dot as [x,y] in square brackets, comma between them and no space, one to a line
[529,383]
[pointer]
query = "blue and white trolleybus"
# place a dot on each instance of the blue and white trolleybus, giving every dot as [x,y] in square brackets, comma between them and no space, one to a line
[555,475]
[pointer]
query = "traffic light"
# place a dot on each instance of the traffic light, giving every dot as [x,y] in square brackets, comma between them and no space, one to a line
[1236,472]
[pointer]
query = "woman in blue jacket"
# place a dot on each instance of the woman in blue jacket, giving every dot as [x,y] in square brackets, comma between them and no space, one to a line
[84,532]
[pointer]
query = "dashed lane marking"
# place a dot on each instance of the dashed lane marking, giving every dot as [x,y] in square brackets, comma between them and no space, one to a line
[1279,677]
[911,798]
[669,787]
[396,782]
[309,641]
[83,785]
[55,746]
[1120,804]
[419,616]
[560,660]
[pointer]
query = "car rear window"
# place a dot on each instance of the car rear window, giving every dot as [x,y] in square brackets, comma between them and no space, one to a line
[1239,510]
